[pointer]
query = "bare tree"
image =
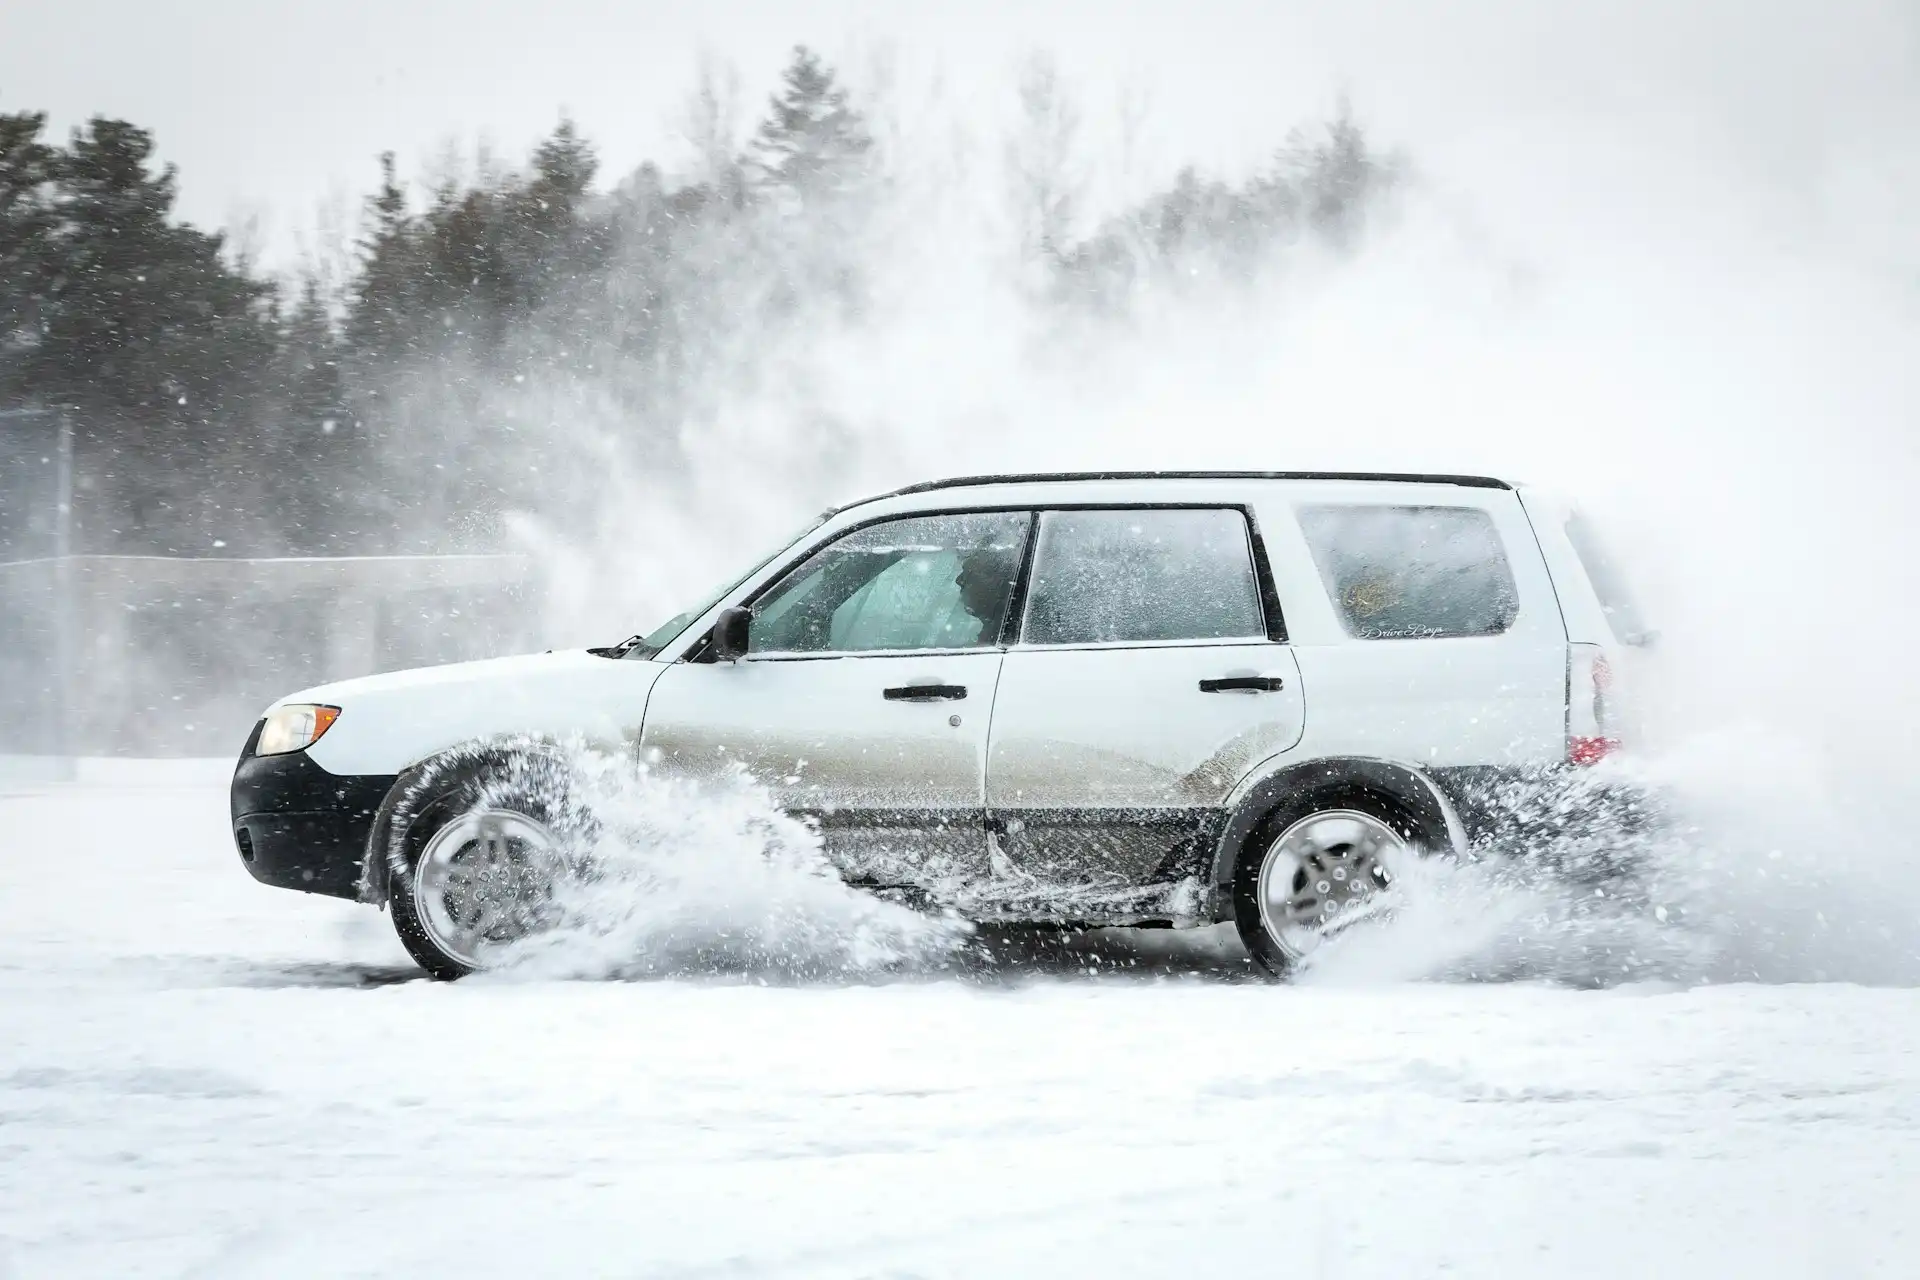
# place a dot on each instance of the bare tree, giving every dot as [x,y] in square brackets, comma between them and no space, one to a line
[1338,176]
[327,256]
[247,236]
[710,122]
[1045,177]
[878,94]
[1134,102]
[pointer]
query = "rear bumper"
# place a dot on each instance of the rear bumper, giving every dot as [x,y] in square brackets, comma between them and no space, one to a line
[296,826]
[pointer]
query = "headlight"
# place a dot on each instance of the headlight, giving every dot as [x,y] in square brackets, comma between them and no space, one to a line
[294,727]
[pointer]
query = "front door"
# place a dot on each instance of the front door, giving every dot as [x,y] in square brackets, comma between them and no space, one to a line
[864,699]
[1144,686]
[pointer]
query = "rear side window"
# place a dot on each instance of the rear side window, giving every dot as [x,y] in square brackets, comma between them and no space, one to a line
[1102,577]
[1412,572]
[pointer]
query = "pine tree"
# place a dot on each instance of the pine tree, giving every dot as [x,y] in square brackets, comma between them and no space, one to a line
[26,227]
[468,283]
[812,146]
[383,315]
[552,244]
[308,372]
[310,444]
[563,168]
[145,312]
[146,329]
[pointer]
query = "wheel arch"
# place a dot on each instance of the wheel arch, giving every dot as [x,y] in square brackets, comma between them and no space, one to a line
[415,785]
[1408,785]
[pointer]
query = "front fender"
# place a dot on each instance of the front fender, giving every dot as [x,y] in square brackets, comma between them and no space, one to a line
[1407,784]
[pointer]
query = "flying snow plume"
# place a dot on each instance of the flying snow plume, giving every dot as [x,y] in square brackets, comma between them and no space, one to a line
[1694,308]
[1689,867]
[677,879]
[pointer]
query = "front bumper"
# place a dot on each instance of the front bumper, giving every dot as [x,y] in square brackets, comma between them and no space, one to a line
[298,826]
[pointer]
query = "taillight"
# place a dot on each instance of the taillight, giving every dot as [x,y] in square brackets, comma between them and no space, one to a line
[1590,736]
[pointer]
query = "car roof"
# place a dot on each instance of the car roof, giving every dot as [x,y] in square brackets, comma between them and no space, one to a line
[1059,477]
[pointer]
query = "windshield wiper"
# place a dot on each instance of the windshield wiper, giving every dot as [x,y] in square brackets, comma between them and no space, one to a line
[620,650]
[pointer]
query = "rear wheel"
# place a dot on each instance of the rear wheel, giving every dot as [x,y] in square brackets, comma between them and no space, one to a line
[1314,868]
[476,850]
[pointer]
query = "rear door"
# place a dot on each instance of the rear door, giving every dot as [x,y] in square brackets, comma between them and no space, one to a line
[1150,675]
[863,700]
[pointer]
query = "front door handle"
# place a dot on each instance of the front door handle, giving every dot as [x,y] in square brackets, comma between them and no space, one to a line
[925,693]
[1248,684]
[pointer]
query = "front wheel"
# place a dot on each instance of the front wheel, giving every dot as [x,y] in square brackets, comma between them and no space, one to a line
[476,851]
[1315,868]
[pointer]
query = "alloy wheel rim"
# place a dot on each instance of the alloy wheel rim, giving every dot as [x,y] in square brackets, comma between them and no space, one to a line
[1325,872]
[484,881]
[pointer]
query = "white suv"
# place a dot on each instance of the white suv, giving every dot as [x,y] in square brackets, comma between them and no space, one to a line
[1106,699]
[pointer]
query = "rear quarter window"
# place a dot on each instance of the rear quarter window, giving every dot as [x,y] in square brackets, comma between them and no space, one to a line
[1609,585]
[1407,572]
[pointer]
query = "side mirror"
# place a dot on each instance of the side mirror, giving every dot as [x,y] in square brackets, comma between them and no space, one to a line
[729,642]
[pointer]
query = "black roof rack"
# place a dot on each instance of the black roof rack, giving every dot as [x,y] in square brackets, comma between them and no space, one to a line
[958,482]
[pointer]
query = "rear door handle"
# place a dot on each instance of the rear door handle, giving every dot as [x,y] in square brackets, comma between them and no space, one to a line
[925,693]
[1249,684]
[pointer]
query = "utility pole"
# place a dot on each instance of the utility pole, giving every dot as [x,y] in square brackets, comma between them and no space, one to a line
[63,488]
[40,582]
[63,669]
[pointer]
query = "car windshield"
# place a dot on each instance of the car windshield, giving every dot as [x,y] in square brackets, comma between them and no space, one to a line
[650,644]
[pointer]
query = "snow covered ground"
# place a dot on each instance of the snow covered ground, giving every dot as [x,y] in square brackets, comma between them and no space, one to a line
[202,1076]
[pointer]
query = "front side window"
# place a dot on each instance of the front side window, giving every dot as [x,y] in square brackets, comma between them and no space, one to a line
[923,582]
[1412,572]
[1103,577]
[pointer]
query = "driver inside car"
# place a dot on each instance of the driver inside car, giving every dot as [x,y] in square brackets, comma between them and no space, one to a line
[985,579]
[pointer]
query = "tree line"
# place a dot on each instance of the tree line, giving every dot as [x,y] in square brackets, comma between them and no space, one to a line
[219,407]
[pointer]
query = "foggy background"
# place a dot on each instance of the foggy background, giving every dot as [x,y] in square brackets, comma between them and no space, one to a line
[613,322]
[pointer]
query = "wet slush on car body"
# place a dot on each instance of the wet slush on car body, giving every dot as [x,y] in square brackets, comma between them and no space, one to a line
[1149,699]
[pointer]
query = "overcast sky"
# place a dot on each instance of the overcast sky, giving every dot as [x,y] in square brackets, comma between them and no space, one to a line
[271,106]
